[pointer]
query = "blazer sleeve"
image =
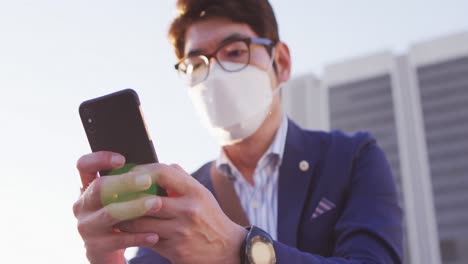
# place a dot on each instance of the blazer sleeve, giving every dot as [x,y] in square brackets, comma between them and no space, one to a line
[370,227]
[147,256]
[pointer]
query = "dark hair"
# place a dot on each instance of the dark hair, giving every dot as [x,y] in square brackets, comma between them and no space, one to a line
[258,14]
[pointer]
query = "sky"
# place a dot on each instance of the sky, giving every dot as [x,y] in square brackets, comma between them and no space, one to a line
[54,54]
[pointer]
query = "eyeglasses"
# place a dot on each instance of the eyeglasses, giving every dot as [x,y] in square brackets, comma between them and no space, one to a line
[232,56]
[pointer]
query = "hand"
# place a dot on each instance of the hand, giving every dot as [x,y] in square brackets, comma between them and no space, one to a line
[97,216]
[191,225]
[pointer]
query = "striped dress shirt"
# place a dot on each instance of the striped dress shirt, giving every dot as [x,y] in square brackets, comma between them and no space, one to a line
[260,201]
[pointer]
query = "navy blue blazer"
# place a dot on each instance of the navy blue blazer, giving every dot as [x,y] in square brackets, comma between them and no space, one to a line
[343,208]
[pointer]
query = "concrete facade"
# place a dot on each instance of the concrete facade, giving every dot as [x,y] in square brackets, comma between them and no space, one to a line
[416,105]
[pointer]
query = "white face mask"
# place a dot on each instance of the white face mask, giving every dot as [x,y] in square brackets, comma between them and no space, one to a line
[233,104]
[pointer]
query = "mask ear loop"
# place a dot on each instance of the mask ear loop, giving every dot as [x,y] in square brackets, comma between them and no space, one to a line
[270,66]
[272,60]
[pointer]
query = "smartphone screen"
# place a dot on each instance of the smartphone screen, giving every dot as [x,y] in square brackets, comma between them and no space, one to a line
[114,122]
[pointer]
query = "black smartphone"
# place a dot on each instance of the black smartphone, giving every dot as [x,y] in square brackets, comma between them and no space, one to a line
[115,122]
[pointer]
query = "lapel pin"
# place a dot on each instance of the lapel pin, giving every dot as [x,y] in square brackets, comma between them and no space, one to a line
[304,166]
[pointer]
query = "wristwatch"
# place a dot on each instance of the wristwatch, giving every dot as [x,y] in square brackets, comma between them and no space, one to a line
[257,247]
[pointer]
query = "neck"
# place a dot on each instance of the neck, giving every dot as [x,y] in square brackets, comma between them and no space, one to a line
[246,154]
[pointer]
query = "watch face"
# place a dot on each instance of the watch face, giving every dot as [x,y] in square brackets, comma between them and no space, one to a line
[261,251]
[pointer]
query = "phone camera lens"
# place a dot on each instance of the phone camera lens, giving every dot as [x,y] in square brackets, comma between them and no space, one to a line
[89,120]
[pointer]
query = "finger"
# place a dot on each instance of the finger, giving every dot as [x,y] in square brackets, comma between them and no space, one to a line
[165,208]
[141,225]
[170,178]
[116,241]
[177,167]
[114,189]
[132,209]
[170,207]
[123,187]
[104,219]
[168,210]
[89,165]
[162,227]
[171,193]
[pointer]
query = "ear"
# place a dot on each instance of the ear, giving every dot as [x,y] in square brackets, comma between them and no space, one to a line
[283,62]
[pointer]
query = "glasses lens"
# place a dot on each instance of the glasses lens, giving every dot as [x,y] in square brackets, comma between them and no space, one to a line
[194,69]
[233,56]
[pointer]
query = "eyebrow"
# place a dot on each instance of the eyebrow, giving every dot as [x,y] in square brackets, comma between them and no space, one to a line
[232,37]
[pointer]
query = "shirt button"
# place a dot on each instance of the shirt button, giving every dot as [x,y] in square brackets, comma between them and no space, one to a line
[304,166]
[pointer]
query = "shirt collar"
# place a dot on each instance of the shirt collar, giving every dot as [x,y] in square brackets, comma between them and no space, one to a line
[274,152]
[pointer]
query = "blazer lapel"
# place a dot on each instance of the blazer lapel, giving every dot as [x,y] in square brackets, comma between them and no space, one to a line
[297,168]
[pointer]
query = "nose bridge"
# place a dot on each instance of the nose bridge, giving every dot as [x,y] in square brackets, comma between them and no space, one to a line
[212,62]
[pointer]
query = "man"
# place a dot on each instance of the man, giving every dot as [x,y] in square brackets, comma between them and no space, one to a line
[309,197]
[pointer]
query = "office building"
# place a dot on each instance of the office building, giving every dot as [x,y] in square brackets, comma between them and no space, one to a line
[416,105]
[440,76]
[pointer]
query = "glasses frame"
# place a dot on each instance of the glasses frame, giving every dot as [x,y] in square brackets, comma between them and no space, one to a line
[269,45]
